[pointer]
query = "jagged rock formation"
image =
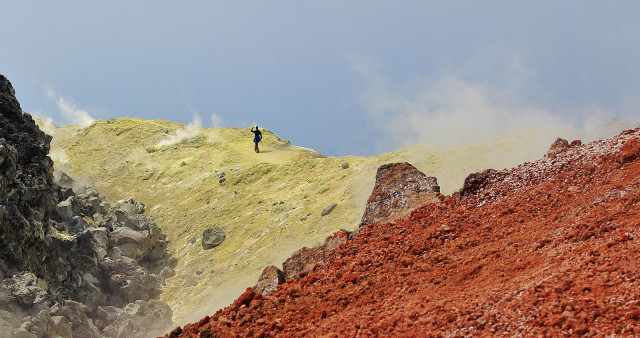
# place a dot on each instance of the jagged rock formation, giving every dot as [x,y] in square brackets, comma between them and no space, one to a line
[399,188]
[70,263]
[27,195]
[546,248]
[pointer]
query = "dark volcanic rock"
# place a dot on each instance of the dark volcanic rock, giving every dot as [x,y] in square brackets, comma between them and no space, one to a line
[212,237]
[399,188]
[27,195]
[63,251]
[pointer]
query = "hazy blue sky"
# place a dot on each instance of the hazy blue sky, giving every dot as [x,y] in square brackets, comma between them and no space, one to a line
[342,77]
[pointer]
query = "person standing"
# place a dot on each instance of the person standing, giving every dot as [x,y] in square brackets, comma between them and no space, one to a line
[257,137]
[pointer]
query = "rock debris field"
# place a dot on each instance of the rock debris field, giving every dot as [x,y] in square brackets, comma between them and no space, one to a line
[549,247]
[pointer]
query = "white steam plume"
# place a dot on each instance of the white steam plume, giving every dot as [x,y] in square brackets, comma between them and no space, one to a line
[216,120]
[192,130]
[453,112]
[45,123]
[69,111]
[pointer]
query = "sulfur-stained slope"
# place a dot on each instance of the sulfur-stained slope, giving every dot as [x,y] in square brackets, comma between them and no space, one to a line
[269,204]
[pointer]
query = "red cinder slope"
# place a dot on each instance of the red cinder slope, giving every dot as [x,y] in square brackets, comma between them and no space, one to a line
[550,247]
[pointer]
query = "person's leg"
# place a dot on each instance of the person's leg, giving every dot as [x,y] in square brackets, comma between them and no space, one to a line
[256,148]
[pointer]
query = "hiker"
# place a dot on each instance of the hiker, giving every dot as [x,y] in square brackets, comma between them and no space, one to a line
[257,138]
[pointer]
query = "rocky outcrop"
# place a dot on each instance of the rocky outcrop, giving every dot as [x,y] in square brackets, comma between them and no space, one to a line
[27,194]
[67,257]
[399,188]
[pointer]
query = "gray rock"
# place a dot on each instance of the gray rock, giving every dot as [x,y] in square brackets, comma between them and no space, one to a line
[65,208]
[103,207]
[9,318]
[328,209]
[95,203]
[60,268]
[133,243]
[22,332]
[128,235]
[76,313]
[345,165]
[78,224]
[106,315]
[126,205]
[6,330]
[140,207]
[126,218]
[91,192]
[62,179]
[128,281]
[158,251]
[96,240]
[305,217]
[141,319]
[64,193]
[60,327]
[212,237]
[21,289]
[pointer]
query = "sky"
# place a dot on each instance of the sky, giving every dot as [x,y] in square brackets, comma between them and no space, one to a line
[341,77]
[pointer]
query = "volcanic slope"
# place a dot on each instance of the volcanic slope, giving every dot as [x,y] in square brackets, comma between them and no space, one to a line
[269,204]
[549,247]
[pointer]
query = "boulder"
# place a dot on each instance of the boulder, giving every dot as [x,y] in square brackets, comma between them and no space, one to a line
[132,243]
[269,280]
[212,237]
[399,188]
[126,205]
